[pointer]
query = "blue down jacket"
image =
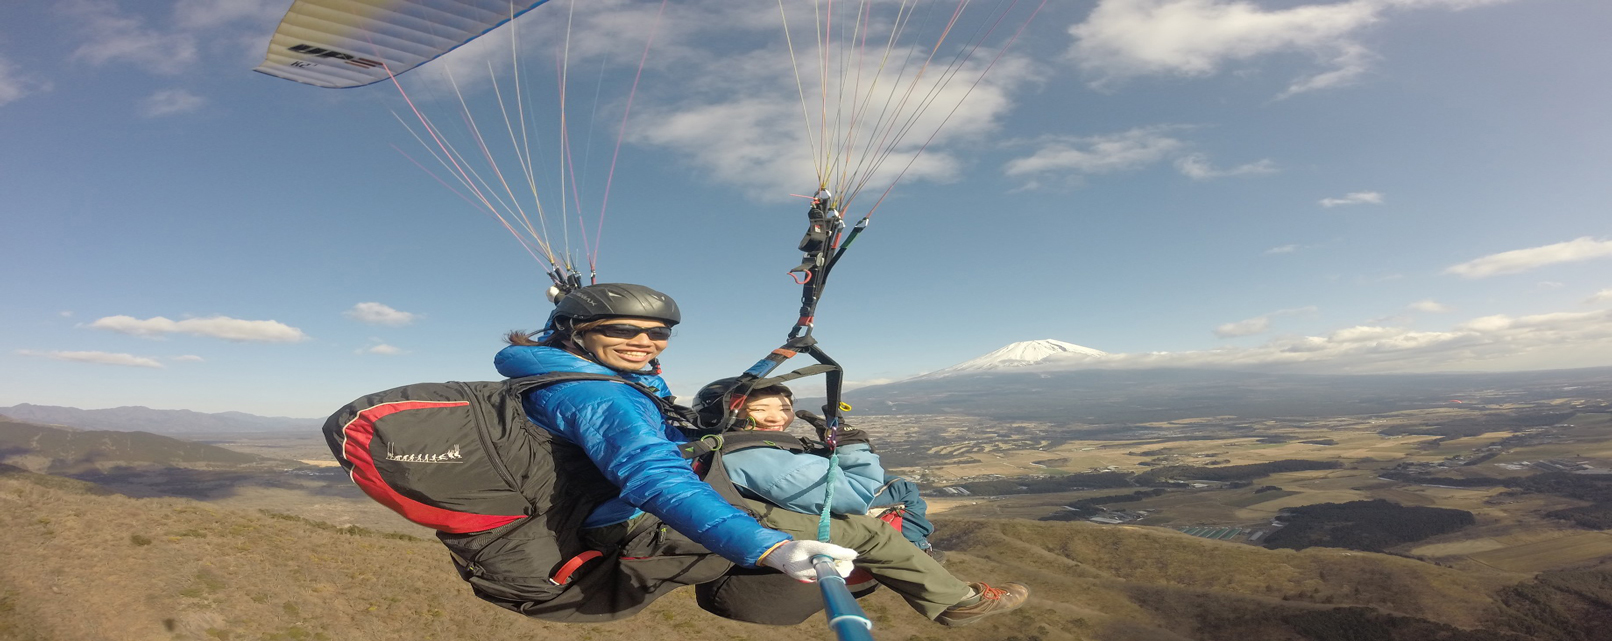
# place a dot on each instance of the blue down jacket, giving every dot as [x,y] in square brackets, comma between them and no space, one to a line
[636,449]
[797,482]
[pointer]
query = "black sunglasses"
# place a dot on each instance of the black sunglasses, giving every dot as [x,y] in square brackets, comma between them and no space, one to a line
[623,330]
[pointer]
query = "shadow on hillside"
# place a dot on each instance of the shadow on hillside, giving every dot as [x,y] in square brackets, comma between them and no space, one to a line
[208,485]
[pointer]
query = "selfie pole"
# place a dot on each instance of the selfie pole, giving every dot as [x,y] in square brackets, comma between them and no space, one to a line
[845,615]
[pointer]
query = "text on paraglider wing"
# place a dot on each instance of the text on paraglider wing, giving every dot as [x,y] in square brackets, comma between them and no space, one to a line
[335,55]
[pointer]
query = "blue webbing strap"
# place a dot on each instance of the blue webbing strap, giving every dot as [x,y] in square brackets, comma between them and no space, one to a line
[828,496]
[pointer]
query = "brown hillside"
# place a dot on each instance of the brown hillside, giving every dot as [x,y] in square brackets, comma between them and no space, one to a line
[77,565]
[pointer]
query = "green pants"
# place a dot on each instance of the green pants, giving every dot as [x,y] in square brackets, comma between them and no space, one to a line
[892,560]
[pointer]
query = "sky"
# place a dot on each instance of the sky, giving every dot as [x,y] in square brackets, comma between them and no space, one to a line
[1355,186]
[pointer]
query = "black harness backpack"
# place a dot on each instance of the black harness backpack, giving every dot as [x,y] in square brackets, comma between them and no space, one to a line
[508,499]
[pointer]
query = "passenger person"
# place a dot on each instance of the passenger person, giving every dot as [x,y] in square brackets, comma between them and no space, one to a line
[795,482]
[786,473]
[621,329]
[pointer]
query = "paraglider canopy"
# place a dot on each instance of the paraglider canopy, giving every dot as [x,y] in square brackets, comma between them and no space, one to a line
[352,43]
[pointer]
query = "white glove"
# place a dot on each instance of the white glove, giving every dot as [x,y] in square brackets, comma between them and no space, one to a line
[794,558]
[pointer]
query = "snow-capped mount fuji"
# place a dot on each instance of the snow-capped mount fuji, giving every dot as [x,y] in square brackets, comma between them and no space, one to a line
[1016,355]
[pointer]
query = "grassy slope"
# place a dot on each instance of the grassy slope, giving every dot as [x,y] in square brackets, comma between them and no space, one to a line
[78,565]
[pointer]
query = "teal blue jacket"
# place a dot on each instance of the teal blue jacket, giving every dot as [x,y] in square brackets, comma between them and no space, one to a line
[798,482]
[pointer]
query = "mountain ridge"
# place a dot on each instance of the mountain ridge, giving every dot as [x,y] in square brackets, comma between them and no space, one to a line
[50,449]
[139,418]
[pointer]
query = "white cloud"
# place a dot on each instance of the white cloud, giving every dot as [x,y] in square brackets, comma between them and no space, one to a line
[99,358]
[232,329]
[1283,249]
[1122,151]
[14,85]
[382,349]
[65,313]
[1075,156]
[167,102]
[1197,38]
[733,112]
[379,314]
[1603,296]
[1562,339]
[187,358]
[1354,198]
[1431,306]
[229,29]
[113,36]
[1521,260]
[753,134]
[1249,327]
[1259,324]
[1197,167]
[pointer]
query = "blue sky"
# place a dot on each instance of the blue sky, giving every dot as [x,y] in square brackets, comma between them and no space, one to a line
[1355,186]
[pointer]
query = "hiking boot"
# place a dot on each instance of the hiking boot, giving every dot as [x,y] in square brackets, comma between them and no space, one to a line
[991,601]
[936,554]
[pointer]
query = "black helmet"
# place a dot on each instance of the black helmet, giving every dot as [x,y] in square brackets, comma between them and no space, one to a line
[713,401]
[610,300]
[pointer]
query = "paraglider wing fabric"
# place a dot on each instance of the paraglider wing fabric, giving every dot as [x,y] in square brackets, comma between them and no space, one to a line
[352,43]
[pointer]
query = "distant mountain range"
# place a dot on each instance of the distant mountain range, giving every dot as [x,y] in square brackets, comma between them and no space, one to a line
[145,419]
[1021,382]
[42,448]
[1033,380]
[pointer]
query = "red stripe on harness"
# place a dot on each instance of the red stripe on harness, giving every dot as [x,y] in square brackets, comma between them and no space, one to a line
[562,576]
[359,432]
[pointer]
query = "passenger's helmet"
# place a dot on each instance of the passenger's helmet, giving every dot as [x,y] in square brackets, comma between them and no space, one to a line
[613,300]
[712,402]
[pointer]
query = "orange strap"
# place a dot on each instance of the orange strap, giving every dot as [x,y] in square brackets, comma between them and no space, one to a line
[563,575]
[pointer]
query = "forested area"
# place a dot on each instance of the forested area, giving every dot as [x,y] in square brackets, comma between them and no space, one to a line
[1230,472]
[1594,517]
[1595,488]
[1370,526]
[1451,481]
[1120,498]
[1065,483]
[1561,605]
[1482,423]
[1162,476]
[1086,507]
